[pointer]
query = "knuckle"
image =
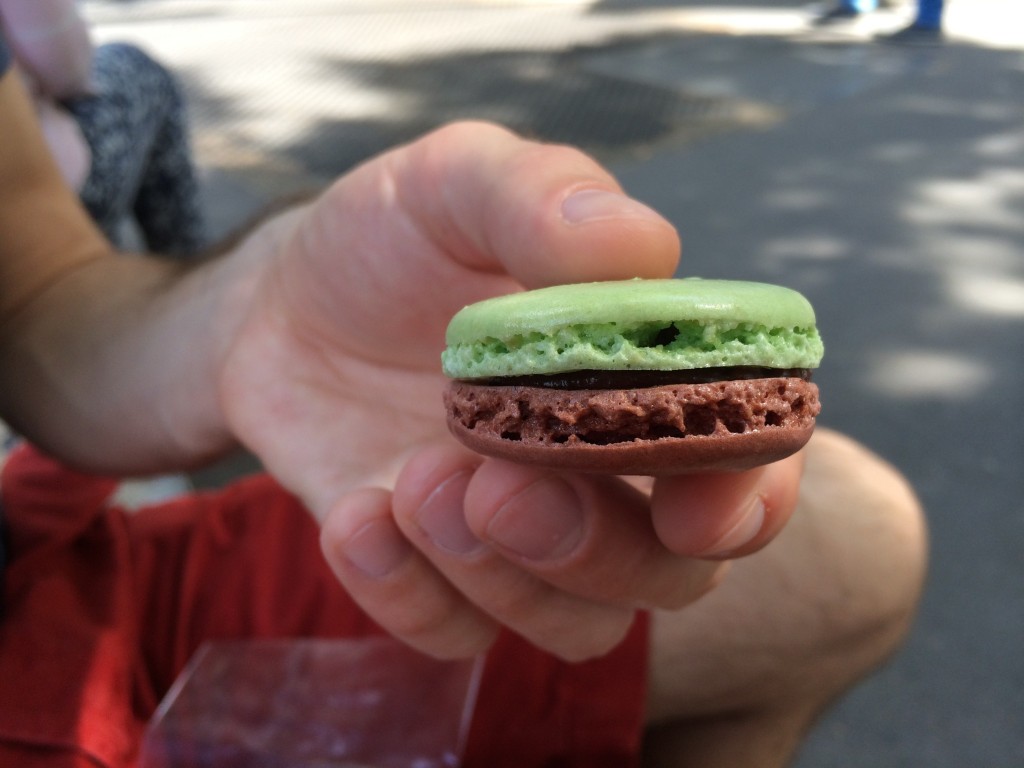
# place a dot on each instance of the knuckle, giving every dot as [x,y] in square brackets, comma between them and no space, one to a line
[702,577]
[521,602]
[443,625]
[458,131]
[567,626]
[585,640]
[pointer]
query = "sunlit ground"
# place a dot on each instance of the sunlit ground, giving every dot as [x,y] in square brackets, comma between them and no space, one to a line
[992,23]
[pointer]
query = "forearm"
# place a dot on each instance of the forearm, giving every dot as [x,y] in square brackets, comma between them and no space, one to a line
[116,366]
[110,361]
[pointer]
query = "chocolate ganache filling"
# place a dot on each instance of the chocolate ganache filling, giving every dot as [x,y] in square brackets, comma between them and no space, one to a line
[637,379]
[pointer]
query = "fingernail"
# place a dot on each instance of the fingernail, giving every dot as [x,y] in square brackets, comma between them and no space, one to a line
[377,549]
[596,204]
[542,522]
[443,520]
[744,530]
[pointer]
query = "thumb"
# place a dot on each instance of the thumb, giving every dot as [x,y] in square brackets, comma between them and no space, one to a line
[542,213]
[397,246]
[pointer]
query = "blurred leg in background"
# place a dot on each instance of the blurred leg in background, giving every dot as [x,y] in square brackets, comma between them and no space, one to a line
[136,127]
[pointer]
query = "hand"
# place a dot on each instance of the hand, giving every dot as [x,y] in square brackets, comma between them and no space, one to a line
[333,380]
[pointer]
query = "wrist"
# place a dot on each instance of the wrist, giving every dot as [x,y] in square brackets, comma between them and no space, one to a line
[236,283]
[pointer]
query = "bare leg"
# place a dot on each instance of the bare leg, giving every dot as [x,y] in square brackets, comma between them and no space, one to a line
[738,678]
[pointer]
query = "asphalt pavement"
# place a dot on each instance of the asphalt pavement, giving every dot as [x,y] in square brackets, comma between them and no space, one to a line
[884,182]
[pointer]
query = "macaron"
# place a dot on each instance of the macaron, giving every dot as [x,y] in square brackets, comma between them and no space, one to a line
[637,377]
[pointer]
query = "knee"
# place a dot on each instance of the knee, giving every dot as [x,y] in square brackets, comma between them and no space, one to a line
[865,541]
[873,525]
[807,617]
[127,63]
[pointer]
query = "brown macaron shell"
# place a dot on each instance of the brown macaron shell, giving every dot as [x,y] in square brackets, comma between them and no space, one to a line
[728,425]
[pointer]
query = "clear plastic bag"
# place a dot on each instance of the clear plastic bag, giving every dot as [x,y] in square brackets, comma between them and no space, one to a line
[313,704]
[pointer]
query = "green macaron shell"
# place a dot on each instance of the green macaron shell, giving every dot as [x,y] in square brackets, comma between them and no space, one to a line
[633,325]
